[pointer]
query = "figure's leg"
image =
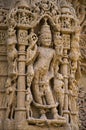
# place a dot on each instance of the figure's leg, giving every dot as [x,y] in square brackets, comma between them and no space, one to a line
[30,75]
[8,112]
[12,110]
[37,93]
[27,112]
[50,101]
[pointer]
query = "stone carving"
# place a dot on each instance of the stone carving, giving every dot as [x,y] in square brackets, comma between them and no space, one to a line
[44,71]
[80,7]
[59,90]
[29,100]
[58,42]
[10,102]
[43,55]
[2,37]
[31,55]
[73,98]
[82,111]
[74,57]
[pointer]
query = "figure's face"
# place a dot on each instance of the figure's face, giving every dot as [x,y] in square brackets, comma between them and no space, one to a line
[46,41]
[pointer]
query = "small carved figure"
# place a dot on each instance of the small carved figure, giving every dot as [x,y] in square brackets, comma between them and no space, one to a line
[29,100]
[12,60]
[58,42]
[73,95]
[10,98]
[12,54]
[57,22]
[59,90]
[31,55]
[74,55]
[23,18]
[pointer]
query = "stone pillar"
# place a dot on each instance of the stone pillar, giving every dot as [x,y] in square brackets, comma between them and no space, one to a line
[21,88]
[3,75]
[65,69]
[65,74]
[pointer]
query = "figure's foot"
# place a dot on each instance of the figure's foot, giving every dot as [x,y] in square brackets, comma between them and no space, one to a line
[43,116]
[56,116]
[30,118]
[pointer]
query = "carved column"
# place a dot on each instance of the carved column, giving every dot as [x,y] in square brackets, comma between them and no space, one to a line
[20,111]
[3,72]
[3,60]
[65,74]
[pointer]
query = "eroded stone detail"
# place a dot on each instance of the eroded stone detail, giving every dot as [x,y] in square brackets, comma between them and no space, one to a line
[82,111]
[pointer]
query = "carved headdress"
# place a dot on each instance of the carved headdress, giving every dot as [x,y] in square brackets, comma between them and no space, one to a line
[45,33]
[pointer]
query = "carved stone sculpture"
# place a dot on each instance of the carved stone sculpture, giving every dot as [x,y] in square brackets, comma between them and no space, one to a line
[73,94]
[29,100]
[42,71]
[59,90]
[10,102]
[31,55]
[74,54]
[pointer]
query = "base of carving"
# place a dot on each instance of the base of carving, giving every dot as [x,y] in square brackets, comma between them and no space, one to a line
[39,124]
[44,122]
[31,127]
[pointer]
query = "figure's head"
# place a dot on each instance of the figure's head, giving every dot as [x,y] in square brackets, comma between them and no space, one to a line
[8,83]
[45,34]
[57,38]
[59,76]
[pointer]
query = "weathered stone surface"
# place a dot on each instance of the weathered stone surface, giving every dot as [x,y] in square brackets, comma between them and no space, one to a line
[42,56]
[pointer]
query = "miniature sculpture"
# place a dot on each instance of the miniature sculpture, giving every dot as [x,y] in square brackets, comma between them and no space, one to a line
[29,100]
[74,55]
[59,90]
[10,98]
[73,94]
[42,62]
[58,41]
[31,55]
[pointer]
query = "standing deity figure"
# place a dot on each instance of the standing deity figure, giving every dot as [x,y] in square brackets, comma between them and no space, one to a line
[58,42]
[74,55]
[44,71]
[59,90]
[73,94]
[12,55]
[10,100]
[29,100]
[31,55]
